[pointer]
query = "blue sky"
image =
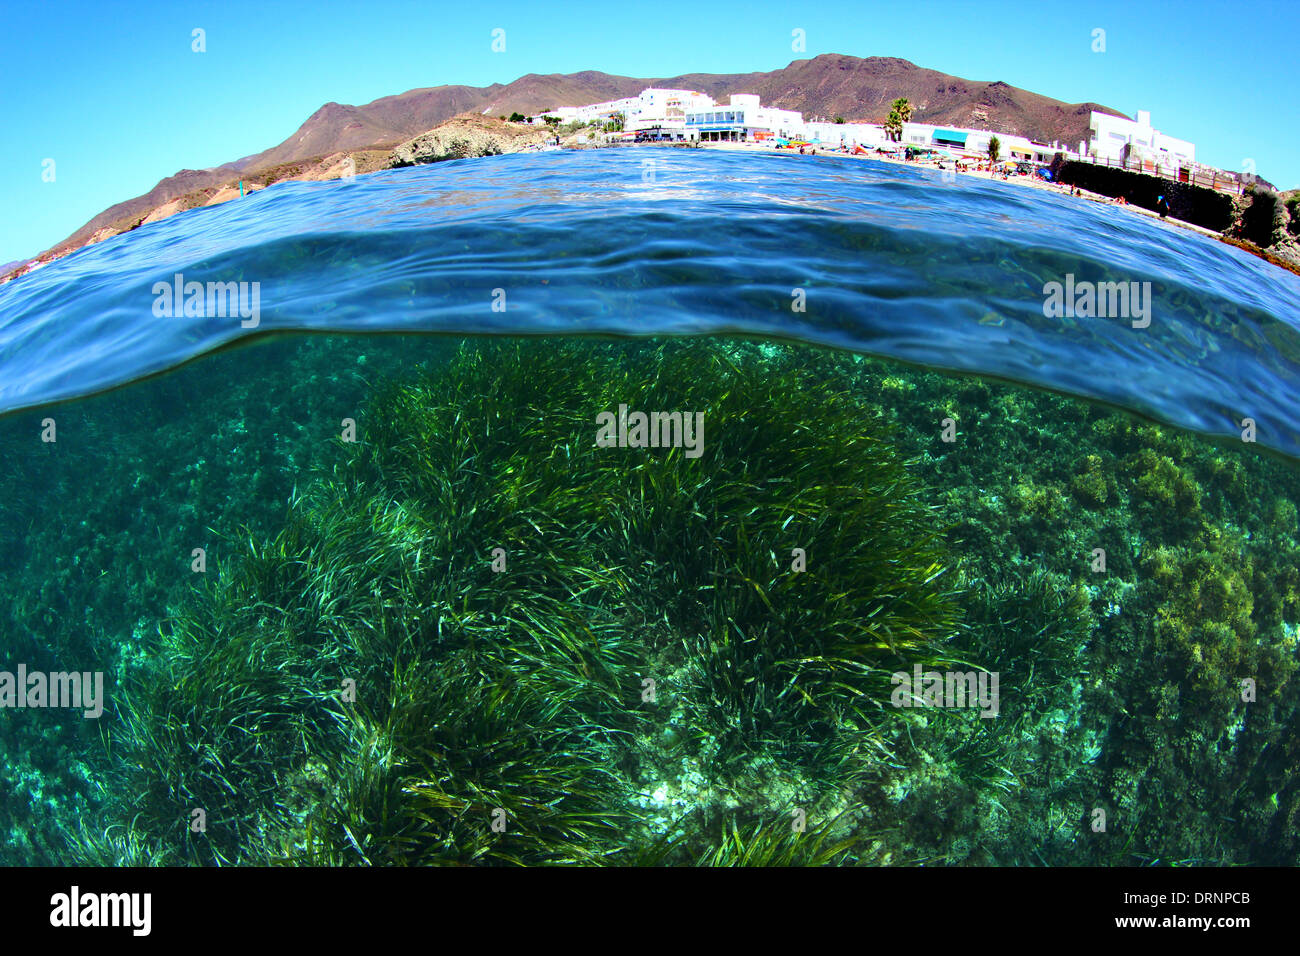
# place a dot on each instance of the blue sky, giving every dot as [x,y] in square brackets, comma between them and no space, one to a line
[112,92]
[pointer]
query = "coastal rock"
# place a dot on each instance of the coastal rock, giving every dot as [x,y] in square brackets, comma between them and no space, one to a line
[464,137]
[1267,220]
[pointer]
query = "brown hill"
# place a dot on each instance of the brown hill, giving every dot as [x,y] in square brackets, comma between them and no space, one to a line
[829,85]
[832,85]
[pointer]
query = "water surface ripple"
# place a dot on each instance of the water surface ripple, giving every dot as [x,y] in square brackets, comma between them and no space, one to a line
[892,260]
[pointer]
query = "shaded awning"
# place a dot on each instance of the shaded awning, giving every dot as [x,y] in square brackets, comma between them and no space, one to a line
[950,136]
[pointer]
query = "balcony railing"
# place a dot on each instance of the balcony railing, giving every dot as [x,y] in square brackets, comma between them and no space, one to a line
[1175,172]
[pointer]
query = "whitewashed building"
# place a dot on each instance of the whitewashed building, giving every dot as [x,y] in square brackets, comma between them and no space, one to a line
[565,114]
[743,119]
[845,135]
[661,113]
[961,141]
[604,112]
[1118,138]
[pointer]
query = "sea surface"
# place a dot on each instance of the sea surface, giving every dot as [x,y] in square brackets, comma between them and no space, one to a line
[366,599]
[893,261]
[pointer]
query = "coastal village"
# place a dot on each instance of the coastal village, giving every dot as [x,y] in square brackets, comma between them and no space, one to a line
[665,115]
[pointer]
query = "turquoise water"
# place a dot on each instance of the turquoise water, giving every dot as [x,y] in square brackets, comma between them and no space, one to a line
[349,491]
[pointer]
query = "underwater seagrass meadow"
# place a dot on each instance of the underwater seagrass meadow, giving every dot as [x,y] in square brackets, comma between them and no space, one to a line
[355,679]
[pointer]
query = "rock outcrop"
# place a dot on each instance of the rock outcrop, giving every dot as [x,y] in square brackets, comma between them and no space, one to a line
[1269,221]
[466,136]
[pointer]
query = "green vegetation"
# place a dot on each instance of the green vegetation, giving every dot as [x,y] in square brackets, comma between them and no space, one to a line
[995,148]
[515,695]
[780,844]
[1134,702]
[519,696]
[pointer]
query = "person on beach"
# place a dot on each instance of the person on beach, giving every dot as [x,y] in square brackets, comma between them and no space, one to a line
[1162,206]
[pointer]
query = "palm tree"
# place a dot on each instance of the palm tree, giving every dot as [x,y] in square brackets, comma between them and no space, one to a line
[995,147]
[900,111]
[894,126]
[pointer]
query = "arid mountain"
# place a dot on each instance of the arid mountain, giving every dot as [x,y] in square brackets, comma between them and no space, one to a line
[829,85]
[857,89]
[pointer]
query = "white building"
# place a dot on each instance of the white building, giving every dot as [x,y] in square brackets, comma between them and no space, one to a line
[960,141]
[604,112]
[1118,138]
[847,135]
[565,114]
[661,113]
[744,119]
